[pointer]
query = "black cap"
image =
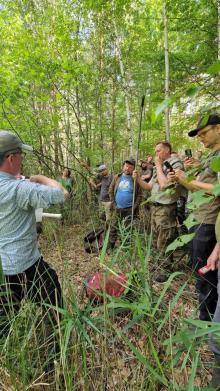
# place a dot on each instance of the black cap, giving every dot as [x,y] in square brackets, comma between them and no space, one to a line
[205,121]
[130,161]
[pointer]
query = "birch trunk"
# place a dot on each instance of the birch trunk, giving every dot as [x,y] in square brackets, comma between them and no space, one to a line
[218,29]
[125,87]
[166,55]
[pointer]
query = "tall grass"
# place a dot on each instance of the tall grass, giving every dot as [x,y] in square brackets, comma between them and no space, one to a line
[132,343]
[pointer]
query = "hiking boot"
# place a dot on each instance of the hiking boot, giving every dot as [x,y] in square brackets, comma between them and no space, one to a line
[204,315]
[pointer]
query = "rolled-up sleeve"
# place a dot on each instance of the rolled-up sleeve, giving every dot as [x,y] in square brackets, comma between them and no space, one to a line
[30,194]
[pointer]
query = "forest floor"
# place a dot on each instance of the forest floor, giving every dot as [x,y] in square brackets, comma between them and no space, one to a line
[62,247]
[65,252]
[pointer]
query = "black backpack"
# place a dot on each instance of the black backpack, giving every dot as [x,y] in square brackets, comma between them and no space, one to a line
[93,241]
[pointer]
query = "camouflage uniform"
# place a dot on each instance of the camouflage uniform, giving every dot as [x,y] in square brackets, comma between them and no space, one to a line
[163,225]
[204,242]
[145,211]
[164,209]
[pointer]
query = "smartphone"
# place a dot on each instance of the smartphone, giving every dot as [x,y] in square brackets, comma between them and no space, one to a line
[168,165]
[203,270]
[188,152]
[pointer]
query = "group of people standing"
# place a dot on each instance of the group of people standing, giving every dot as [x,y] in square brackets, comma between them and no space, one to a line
[169,181]
[163,180]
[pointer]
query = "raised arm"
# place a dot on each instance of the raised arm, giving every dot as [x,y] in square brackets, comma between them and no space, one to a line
[43,180]
[180,177]
[161,176]
[144,185]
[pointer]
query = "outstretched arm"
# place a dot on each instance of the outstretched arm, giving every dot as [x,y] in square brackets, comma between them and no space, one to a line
[43,180]
[144,185]
[179,176]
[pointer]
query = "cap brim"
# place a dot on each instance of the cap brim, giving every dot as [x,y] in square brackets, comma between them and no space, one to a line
[26,147]
[193,132]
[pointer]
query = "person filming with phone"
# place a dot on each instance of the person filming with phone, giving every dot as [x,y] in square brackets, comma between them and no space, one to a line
[164,198]
[208,133]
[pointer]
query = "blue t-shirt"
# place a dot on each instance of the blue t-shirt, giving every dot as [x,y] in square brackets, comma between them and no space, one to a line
[124,193]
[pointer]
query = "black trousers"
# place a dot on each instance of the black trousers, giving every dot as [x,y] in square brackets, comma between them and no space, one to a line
[199,250]
[39,283]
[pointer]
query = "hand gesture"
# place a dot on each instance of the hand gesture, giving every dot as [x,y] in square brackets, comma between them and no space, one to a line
[158,161]
[171,176]
[191,162]
[179,175]
[212,261]
[135,175]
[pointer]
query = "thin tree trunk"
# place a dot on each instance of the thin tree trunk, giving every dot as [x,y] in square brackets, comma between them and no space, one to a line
[100,101]
[218,29]
[166,55]
[125,87]
[113,136]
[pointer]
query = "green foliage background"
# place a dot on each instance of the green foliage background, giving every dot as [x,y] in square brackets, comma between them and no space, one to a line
[62,88]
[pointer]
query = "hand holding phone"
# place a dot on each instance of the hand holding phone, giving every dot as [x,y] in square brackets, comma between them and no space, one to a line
[188,153]
[203,270]
[168,165]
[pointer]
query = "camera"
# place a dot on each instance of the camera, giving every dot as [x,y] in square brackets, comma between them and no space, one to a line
[168,165]
[188,153]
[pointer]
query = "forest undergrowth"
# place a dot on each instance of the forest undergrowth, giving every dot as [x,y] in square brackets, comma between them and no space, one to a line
[149,341]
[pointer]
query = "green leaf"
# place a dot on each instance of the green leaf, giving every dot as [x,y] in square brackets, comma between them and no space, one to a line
[192,91]
[216,190]
[214,68]
[190,386]
[165,104]
[104,248]
[215,164]
[199,198]
[165,288]
[180,242]
[162,379]
[190,221]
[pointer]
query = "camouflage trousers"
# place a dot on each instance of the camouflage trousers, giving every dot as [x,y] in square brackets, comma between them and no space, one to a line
[145,217]
[163,226]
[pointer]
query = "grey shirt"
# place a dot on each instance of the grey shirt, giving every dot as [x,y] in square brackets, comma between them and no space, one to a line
[105,184]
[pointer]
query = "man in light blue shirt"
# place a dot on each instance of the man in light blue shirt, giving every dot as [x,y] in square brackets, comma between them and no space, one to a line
[124,193]
[25,271]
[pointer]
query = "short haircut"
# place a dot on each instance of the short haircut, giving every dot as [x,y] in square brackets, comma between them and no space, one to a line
[2,158]
[165,145]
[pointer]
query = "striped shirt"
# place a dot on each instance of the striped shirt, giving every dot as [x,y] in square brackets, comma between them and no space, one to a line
[18,236]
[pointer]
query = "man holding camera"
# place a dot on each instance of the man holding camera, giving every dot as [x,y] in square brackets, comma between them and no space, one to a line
[208,132]
[163,197]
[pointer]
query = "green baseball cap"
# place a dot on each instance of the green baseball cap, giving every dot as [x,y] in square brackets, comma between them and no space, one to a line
[10,143]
